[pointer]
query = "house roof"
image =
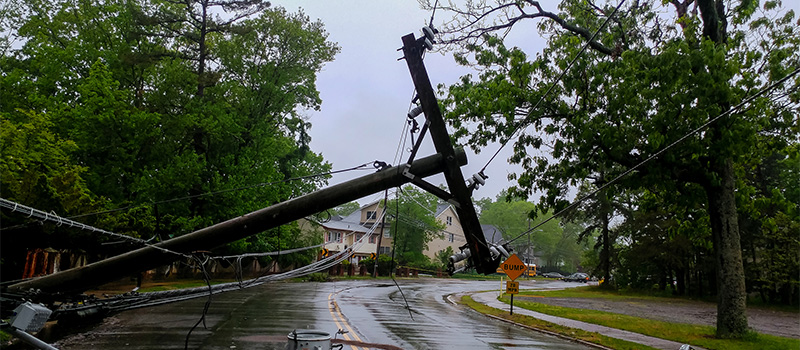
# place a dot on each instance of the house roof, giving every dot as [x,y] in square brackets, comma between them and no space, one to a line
[353,217]
[342,225]
[441,208]
[351,222]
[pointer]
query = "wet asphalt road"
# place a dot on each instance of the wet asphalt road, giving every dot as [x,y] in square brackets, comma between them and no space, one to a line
[372,311]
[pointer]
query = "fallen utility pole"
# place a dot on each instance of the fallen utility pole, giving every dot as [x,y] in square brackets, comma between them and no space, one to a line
[83,278]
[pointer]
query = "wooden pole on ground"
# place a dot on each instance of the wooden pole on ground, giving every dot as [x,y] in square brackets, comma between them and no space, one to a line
[86,277]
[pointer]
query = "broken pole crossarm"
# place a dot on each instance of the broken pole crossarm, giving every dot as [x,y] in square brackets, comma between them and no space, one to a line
[481,256]
[83,278]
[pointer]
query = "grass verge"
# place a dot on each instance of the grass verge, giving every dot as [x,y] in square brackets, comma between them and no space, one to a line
[160,287]
[597,292]
[697,335]
[531,322]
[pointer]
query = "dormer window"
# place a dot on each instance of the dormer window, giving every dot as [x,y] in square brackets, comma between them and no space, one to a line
[449,220]
[371,215]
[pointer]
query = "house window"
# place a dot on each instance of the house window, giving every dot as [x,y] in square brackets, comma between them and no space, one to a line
[450,221]
[372,239]
[451,237]
[334,236]
[359,236]
[387,234]
[385,250]
[371,215]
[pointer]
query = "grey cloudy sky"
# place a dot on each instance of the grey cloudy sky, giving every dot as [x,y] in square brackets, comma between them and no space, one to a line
[366,91]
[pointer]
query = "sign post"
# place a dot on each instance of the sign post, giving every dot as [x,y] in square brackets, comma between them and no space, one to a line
[513,267]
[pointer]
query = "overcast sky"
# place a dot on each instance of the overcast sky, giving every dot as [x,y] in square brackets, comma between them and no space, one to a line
[366,91]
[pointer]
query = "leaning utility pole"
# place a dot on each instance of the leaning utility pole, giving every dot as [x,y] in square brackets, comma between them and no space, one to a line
[83,278]
[460,196]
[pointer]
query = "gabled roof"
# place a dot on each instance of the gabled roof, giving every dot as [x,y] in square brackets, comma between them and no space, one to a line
[353,217]
[351,222]
[441,208]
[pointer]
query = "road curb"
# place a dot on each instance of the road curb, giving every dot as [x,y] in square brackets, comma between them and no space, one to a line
[559,335]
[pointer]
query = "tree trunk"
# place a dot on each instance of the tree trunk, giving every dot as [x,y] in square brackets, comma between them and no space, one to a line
[731,294]
[680,276]
[201,60]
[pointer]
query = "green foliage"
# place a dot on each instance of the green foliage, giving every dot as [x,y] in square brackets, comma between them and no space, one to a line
[384,265]
[37,167]
[413,225]
[345,209]
[555,244]
[124,112]
[443,257]
[318,277]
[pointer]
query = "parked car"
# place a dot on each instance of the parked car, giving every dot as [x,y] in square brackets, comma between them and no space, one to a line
[577,277]
[552,275]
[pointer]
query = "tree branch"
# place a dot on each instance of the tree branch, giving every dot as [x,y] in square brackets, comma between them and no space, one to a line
[473,27]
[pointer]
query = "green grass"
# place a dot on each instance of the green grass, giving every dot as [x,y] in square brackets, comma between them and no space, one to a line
[490,277]
[597,292]
[698,335]
[591,337]
[476,277]
[592,292]
[160,287]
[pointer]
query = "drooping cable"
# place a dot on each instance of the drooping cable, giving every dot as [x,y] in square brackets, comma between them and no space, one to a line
[279,252]
[207,304]
[42,215]
[394,246]
[524,122]
[660,152]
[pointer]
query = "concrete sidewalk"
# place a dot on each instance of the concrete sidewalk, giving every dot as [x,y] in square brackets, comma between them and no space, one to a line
[490,299]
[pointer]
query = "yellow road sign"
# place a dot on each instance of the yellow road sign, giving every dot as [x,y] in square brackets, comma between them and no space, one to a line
[513,267]
[512,287]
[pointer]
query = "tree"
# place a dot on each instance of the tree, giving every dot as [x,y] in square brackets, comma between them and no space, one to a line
[642,85]
[167,141]
[597,213]
[443,257]
[413,224]
[345,209]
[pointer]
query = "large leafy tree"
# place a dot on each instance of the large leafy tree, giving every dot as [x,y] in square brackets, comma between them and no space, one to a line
[182,113]
[645,82]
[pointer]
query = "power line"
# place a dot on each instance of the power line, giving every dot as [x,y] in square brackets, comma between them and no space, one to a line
[280,252]
[660,152]
[59,221]
[524,121]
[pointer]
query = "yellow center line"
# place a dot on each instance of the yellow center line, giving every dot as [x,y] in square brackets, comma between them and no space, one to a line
[337,317]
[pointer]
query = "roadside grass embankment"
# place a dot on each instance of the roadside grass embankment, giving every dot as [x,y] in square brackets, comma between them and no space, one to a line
[697,335]
[530,322]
